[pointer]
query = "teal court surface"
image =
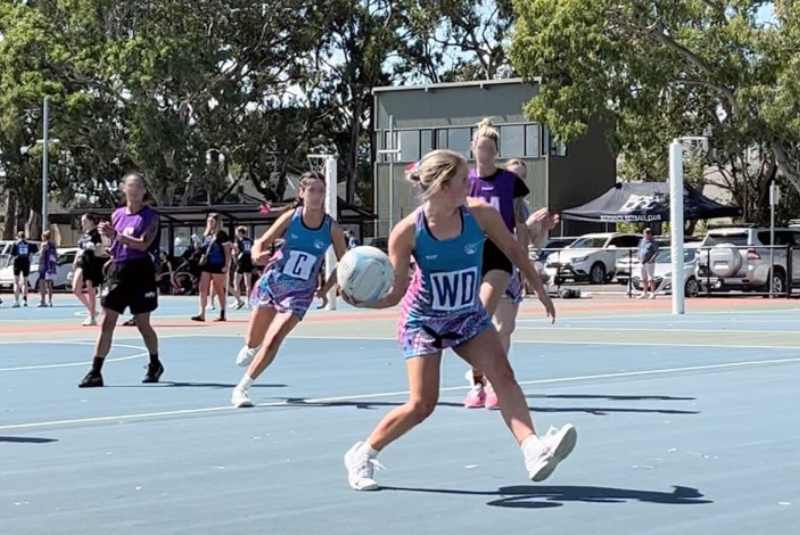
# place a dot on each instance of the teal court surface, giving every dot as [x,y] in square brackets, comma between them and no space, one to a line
[686,424]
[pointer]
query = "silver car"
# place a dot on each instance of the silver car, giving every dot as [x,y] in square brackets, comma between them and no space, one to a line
[739,258]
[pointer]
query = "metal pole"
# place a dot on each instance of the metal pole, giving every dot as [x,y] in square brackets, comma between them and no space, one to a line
[391,174]
[772,203]
[676,224]
[45,173]
[332,207]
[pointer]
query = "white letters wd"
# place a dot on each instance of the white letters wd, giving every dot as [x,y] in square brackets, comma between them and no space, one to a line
[454,290]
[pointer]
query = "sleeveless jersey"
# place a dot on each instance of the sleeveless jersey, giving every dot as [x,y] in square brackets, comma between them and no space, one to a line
[497,190]
[447,276]
[297,263]
[133,225]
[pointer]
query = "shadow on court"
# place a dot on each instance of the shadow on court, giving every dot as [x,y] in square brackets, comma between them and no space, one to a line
[27,440]
[597,411]
[179,384]
[535,497]
[610,398]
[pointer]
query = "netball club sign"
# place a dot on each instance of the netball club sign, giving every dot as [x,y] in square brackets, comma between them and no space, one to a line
[651,207]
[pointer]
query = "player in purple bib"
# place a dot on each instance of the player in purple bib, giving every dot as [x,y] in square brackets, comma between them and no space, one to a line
[506,192]
[131,278]
[285,291]
[538,225]
[441,308]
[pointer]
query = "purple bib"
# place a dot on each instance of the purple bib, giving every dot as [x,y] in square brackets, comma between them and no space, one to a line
[498,191]
[133,225]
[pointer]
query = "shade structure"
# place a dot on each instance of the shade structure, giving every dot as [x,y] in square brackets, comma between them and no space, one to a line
[644,202]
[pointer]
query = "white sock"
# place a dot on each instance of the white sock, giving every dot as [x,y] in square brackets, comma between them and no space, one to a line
[246,382]
[368,450]
[530,440]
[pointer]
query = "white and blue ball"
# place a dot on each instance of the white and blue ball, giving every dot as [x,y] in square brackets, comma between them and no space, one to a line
[365,273]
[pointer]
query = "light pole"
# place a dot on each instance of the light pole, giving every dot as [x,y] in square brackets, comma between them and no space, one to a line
[45,171]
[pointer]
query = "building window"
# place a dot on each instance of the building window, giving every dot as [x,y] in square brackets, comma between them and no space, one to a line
[459,140]
[512,141]
[426,141]
[409,145]
[533,141]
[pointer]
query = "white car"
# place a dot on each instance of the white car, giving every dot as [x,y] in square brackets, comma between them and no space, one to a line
[663,271]
[66,257]
[592,257]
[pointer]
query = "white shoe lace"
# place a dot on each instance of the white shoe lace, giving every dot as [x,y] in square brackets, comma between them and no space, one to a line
[365,468]
[550,437]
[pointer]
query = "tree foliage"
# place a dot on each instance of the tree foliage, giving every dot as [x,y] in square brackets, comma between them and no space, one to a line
[660,69]
[206,96]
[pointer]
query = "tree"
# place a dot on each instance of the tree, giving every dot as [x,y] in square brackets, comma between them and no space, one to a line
[662,69]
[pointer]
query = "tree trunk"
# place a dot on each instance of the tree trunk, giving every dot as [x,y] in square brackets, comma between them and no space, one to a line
[10,228]
[33,226]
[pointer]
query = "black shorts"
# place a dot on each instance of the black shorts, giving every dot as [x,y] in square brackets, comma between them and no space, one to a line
[214,269]
[92,269]
[245,265]
[494,258]
[22,266]
[131,284]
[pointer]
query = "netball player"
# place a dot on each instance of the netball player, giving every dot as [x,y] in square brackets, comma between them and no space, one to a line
[442,309]
[131,278]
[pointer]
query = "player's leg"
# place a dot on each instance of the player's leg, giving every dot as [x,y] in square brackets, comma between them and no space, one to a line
[494,286]
[542,454]
[219,282]
[260,319]
[276,334]
[423,386]
[202,288]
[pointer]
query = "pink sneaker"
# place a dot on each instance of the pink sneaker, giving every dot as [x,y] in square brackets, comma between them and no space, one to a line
[476,398]
[492,403]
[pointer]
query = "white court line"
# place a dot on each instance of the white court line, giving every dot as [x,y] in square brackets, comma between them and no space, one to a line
[73,364]
[672,319]
[144,416]
[734,328]
[515,341]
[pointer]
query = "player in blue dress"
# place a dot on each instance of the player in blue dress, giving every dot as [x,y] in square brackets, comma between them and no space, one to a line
[442,309]
[285,291]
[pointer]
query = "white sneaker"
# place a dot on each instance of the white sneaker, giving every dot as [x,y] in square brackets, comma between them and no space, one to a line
[15,305]
[246,355]
[360,469]
[240,398]
[652,296]
[559,444]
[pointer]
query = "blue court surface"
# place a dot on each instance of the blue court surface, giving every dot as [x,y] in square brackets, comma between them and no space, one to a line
[686,425]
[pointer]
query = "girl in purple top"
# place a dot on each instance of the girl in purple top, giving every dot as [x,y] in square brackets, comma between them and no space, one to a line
[506,192]
[131,281]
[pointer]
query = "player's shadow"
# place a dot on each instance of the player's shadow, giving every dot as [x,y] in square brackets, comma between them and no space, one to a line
[597,411]
[183,384]
[608,397]
[186,384]
[537,497]
[28,440]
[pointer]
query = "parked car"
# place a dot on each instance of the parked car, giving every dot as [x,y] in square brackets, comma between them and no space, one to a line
[553,245]
[66,257]
[663,271]
[592,257]
[738,257]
